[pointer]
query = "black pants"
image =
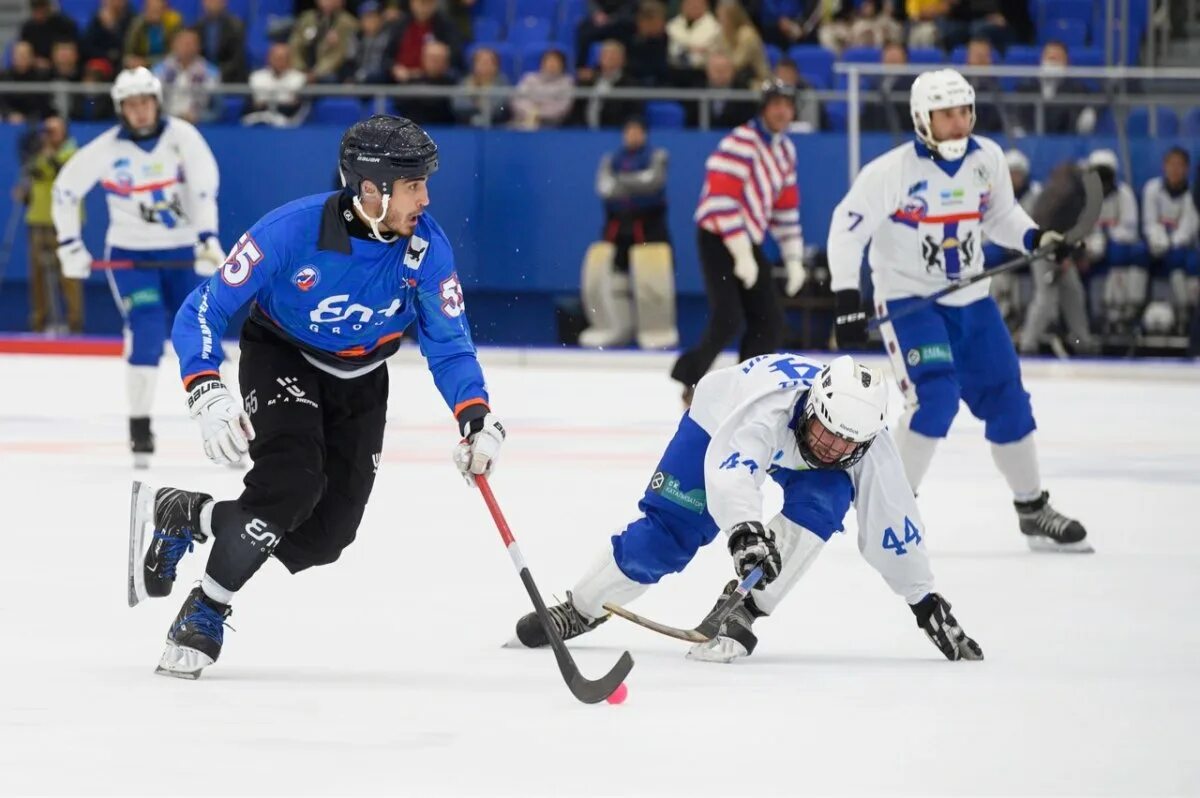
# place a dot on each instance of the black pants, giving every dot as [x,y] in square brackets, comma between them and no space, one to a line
[729,304]
[626,229]
[316,450]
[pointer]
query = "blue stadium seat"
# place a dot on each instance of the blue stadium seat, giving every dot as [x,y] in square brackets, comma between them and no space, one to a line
[926,55]
[859,55]
[81,11]
[665,115]
[773,54]
[529,30]
[336,111]
[493,9]
[1191,123]
[546,9]
[487,29]
[593,56]
[1019,55]
[1079,10]
[232,106]
[240,9]
[1087,56]
[837,115]
[188,9]
[1071,32]
[276,8]
[1139,122]
[814,62]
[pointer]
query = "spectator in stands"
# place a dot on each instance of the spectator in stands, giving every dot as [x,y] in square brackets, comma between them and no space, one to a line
[1172,226]
[647,52]
[106,33]
[44,27]
[435,70]
[478,109]
[722,113]
[149,38]
[64,67]
[606,20]
[55,148]
[96,107]
[543,98]
[787,22]
[971,19]
[1057,116]
[189,81]
[223,41]
[1115,248]
[808,107]
[989,113]
[740,39]
[923,21]
[275,100]
[425,23]
[19,108]
[861,24]
[691,36]
[376,45]
[322,42]
[891,113]
[596,110]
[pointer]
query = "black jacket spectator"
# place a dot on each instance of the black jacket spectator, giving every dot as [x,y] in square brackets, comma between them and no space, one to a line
[223,41]
[646,55]
[435,71]
[45,27]
[722,114]
[25,107]
[105,34]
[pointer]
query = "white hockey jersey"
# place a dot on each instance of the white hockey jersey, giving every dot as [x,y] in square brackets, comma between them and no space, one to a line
[750,410]
[925,220]
[163,197]
[1170,221]
[1119,216]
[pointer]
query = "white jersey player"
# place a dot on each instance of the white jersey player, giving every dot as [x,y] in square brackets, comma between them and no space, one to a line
[1115,247]
[816,430]
[1172,226]
[160,181]
[924,208]
[1006,288]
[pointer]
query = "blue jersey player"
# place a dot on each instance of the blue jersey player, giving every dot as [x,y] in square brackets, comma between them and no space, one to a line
[333,281]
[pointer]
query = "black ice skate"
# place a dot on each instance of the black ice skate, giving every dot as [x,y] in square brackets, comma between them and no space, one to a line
[736,638]
[194,641]
[141,441]
[942,629]
[569,622]
[1046,529]
[174,515]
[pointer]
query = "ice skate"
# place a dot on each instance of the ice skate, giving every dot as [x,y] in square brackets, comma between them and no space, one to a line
[194,641]
[569,622]
[174,517]
[141,442]
[1046,529]
[736,638]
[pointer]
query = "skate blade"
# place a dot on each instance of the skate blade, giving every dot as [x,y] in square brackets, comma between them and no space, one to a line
[182,662]
[719,650]
[1040,544]
[141,513]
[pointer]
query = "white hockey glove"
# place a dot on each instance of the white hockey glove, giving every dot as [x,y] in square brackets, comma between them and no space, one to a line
[75,260]
[476,453]
[1097,244]
[224,425]
[942,629]
[745,265]
[1158,241]
[751,546]
[209,256]
[796,275]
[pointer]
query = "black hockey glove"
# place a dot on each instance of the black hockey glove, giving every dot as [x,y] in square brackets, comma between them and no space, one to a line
[850,320]
[942,629]
[751,545]
[1062,250]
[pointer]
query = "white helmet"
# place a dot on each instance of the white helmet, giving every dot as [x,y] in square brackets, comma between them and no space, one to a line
[941,88]
[139,82]
[1017,162]
[849,400]
[1103,158]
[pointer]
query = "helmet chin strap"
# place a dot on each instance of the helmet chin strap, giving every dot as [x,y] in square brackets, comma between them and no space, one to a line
[374,221]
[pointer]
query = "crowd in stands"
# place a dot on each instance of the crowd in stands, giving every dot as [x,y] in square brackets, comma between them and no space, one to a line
[545,48]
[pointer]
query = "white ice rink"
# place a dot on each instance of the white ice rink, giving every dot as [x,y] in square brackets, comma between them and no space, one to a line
[384,673]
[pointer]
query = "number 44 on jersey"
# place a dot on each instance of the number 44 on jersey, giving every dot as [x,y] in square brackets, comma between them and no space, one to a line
[912,536]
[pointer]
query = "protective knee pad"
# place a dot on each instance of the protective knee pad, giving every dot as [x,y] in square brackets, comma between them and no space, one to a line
[242,542]
[654,295]
[606,299]
[937,404]
[1006,412]
[798,548]
[147,323]
[657,544]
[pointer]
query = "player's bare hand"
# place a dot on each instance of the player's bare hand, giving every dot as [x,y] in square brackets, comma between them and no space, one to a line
[224,425]
[476,453]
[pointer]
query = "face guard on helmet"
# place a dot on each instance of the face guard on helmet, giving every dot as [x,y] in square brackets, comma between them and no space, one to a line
[384,149]
[139,82]
[936,90]
[844,410]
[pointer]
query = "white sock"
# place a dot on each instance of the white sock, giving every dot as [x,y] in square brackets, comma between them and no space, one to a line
[214,590]
[798,548]
[604,581]
[1017,461]
[916,452]
[206,511]
[140,381]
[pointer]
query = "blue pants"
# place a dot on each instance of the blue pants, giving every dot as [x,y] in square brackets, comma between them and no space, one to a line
[1118,254]
[1175,259]
[942,354]
[675,521]
[150,298]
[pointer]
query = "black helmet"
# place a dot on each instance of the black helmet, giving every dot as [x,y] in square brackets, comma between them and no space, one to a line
[774,87]
[384,149]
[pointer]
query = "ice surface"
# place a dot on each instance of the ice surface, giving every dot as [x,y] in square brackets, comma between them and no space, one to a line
[385,674]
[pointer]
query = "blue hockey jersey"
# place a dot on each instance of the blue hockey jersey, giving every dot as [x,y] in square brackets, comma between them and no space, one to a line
[343,300]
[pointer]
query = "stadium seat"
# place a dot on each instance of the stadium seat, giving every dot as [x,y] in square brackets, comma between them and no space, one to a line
[232,106]
[814,62]
[487,29]
[1138,123]
[1079,10]
[545,9]
[773,54]
[1071,32]
[529,30]
[1191,123]
[859,55]
[926,55]
[336,111]
[493,9]
[81,11]
[665,115]
[276,8]
[240,9]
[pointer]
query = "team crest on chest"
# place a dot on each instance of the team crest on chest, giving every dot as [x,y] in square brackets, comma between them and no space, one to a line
[306,278]
[415,253]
